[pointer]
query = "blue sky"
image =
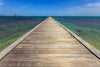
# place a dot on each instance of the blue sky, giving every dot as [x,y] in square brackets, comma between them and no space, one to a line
[50,7]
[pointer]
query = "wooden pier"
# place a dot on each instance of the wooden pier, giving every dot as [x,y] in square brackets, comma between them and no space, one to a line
[49,45]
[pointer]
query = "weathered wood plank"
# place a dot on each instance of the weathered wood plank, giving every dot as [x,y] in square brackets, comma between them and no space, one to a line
[50,45]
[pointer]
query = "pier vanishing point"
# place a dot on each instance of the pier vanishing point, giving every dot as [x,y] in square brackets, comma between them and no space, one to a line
[50,44]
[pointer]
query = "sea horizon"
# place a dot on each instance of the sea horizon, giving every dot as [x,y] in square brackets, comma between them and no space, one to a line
[87,27]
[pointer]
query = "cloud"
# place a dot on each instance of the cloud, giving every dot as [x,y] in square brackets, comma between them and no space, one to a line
[93,5]
[26,6]
[89,9]
[1,3]
[9,12]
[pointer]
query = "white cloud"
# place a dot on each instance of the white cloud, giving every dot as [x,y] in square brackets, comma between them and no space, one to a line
[9,12]
[26,6]
[93,5]
[89,9]
[1,3]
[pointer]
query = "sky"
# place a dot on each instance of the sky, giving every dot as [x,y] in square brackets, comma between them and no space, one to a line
[50,7]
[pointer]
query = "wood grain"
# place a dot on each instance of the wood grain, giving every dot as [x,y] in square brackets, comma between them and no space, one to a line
[49,45]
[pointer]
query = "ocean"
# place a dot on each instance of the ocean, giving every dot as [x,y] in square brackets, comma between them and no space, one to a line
[13,27]
[88,28]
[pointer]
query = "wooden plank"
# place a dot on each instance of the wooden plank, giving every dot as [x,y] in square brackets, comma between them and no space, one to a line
[50,45]
[13,45]
[91,48]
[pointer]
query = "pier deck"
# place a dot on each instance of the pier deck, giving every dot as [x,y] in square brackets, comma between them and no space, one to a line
[50,45]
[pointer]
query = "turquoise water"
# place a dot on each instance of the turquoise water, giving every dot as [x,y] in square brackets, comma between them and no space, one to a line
[12,28]
[87,28]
